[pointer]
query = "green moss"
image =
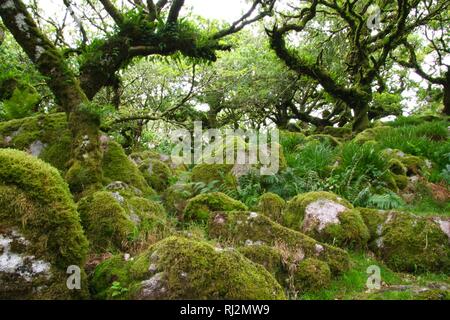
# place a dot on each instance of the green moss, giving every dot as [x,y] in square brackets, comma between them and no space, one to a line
[35,201]
[407,242]
[221,173]
[180,268]
[371,134]
[238,228]
[157,174]
[175,197]
[105,222]
[117,167]
[296,207]
[410,165]
[58,221]
[50,130]
[338,132]
[272,205]
[269,257]
[113,222]
[324,138]
[351,232]
[312,275]
[200,207]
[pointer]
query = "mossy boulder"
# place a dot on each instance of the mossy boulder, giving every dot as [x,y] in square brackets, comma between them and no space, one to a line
[113,222]
[410,243]
[328,218]
[324,138]
[411,165]
[118,167]
[40,230]
[156,173]
[371,134]
[243,228]
[312,275]
[269,257]
[175,197]
[200,207]
[221,173]
[45,136]
[181,268]
[338,132]
[272,205]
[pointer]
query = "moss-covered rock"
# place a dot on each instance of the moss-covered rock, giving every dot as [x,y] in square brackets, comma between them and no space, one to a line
[176,197]
[324,138]
[113,222]
[272,205]
[157,174]
[337,132]
[40,230]
[312,275]
[200,207]
[413,165]
[106,223]
[45,136]
[269,257]
[221,173]
[371,134]
[328,218]
[118,167]
[180,268]
[240,228]
[407,242]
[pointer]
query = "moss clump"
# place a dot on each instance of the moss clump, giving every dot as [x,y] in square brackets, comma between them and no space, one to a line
[106,223]
[407,242]
[249,227]
[221,173]
[157,174]
[117,167]
[50,132]
[324,138]
[272,205]
[113,222]
[371,134]
[180,268]
[35,201]
[175,197]
[312,275]
[336,132]
[200,207]
[269,257]
[410,165]
[58,221]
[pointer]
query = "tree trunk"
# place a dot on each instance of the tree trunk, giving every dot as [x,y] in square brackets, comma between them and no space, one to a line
[446,110]
[85,171]
[361,117]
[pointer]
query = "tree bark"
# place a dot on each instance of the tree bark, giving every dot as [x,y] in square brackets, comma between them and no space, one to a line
[446,89]
[361,117]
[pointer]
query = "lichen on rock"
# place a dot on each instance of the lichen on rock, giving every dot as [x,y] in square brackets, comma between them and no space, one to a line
[328,218]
